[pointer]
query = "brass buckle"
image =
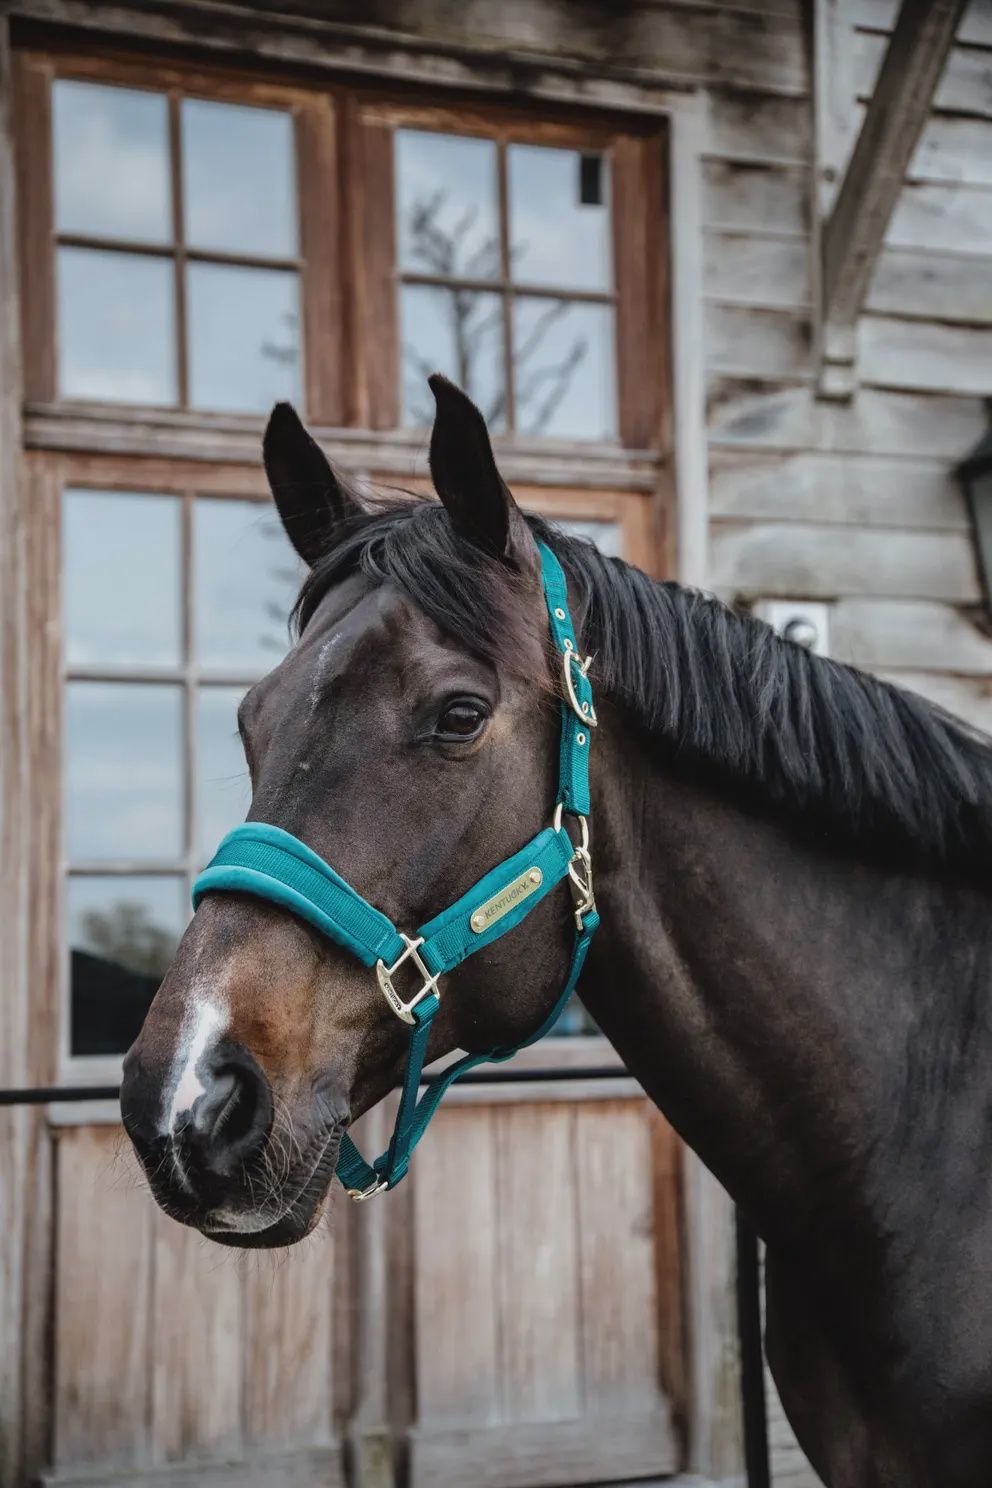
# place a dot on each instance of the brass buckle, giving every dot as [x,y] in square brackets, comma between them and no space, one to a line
[359,1195]
[579,869]
[584,712]
[386,973]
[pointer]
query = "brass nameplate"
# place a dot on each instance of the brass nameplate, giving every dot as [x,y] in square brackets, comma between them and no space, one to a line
[500,904]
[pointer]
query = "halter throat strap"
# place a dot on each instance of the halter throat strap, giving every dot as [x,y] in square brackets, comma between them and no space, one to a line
[272,864]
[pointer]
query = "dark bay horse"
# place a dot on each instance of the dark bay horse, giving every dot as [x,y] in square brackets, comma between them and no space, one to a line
[795,958]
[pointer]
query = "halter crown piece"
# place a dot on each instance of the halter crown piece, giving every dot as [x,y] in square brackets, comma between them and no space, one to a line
[272,864]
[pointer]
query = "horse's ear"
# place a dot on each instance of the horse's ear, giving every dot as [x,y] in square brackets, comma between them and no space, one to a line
[312,502]
[463,469]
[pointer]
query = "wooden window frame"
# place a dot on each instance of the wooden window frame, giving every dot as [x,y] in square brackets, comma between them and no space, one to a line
[316,261]
[154,477]
[347,260]
[636,152]
[350,339]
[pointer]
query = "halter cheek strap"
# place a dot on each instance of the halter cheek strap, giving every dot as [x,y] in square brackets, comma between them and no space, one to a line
[263,860]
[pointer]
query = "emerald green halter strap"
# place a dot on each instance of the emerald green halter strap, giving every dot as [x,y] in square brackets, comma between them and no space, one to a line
[263,860]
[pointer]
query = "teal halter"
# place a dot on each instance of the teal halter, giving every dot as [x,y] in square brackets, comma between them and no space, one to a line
[272,864]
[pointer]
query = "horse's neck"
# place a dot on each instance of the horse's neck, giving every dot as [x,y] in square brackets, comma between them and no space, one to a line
[778,1002]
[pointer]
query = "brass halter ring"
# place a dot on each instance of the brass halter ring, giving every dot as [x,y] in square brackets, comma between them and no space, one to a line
[584,712]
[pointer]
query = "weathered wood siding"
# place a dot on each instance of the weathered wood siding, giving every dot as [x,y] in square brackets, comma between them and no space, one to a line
[856,504]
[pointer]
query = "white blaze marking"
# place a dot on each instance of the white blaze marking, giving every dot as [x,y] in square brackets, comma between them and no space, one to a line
[203,1023]
[318,672]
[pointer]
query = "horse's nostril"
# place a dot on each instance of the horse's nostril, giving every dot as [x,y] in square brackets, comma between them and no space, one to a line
[230,1121]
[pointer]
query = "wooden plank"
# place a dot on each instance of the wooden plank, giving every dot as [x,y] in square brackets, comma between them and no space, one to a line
[922,635]
[749,269]
[757,343]
[667,1158]
[954,150]
[311,1468]
[617,1283]
[967,697]
[784,416]
[288,1389]
[834,123]
[924,356]
[198,1358]
[975,27]
[379,305]
[640,252]
[42,576]
[814,561]
[955,218]
[755,196]
[687,475]
[456,1264]
[538,1285]
[863,491]
[746,126]
[965,87]
[15,815]
[323,281]
[749,46]
[102,1324]
[714,1431]
[924,285]
[35,177]
[163,437]
[898,109]
[535,1455]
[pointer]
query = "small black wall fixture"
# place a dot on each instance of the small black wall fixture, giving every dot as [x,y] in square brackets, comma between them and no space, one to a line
[975,475]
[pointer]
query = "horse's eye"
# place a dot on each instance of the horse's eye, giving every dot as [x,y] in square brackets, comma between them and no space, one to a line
[461,720]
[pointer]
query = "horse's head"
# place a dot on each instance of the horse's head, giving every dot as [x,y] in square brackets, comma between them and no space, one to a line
[413,745]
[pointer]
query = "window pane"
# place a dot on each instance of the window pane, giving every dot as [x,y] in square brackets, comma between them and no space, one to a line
[246,578]
[122,935]
[123,751]
[563,369]
[238,178]
[446,205]
[244,337]
[223,786]
[559,218]
[121,582]
[111,149]
[117,337]
[460,333]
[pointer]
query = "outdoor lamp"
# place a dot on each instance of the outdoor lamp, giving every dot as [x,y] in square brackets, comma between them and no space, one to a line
[975,474]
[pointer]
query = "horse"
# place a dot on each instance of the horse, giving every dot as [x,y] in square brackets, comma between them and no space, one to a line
[794,956]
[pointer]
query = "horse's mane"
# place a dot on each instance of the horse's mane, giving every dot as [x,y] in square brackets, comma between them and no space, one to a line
[721,693]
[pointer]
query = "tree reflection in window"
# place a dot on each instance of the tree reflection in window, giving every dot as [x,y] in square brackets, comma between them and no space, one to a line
[535,353]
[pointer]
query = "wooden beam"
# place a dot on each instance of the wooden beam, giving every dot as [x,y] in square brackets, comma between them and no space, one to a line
[855,231]
[14,1124]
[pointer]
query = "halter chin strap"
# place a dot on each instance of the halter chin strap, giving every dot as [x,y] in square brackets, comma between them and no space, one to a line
[272,864]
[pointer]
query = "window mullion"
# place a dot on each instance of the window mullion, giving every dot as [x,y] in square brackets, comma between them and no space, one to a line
[506,277]
[179,247]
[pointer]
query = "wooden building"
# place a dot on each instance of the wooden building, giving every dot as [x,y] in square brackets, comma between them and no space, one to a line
[733,345]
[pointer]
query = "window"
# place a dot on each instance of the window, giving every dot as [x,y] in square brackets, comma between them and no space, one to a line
[210,245]
[173,606]
[177,249]
[506,281]
[211,242]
